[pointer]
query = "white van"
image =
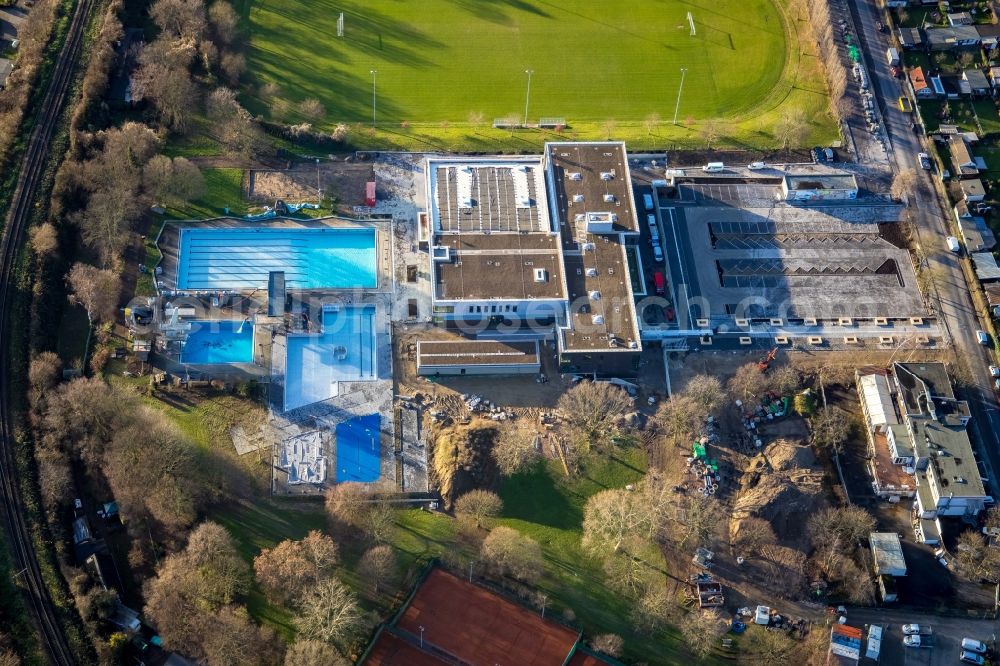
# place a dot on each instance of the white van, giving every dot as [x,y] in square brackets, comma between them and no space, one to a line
[651,221]
[757,166]
[658,254]
[713,167]
[953,244]
[647,201]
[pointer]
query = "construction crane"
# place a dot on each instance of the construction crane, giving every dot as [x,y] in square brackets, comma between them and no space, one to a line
[765,363]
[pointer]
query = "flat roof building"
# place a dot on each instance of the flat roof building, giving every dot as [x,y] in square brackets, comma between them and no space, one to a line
[477,357]
[539,244]
[810,185]
[948,481]
[888,554]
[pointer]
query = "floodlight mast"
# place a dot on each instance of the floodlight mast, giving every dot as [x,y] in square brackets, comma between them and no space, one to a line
[527,95]
[373,73]
[680,89]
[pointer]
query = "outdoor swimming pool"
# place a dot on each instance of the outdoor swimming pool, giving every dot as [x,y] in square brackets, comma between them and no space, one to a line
[242,257]
[344,351]
[219,341]
[358,449]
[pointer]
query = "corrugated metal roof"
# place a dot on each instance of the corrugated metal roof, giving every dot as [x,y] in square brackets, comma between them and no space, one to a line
[878,400]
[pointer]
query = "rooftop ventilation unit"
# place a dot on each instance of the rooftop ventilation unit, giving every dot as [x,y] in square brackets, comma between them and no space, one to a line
[580,217]
[541,275]
[607,175]
[577,198]
[588,247]
[441,253]
[591,272]
[609,198]
[575,175]
[598,319]
[595,295]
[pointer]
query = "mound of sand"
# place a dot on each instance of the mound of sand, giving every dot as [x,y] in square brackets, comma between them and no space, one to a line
[782,485]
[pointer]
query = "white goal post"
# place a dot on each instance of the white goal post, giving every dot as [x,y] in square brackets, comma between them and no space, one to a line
[340,25]
[691,23]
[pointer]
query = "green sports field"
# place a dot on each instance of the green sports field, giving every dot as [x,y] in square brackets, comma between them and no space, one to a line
[443,65]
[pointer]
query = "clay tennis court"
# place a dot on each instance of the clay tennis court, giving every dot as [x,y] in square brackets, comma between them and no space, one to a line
[468,622]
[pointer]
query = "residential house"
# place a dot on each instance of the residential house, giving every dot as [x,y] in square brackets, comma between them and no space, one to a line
[911,38]
[978,83]
[948,482]
[977,235]
[961,157]
[919,83]
[960,18]
[989,34]
[972,190]
[945,39]
[987,269]
[992,290]
[950,87]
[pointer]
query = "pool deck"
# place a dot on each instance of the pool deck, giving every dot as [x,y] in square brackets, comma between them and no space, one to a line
[169,244]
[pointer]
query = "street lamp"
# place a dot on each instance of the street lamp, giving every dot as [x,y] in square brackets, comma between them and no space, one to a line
[527,94]
[421,628]
[373,73]
[680,89]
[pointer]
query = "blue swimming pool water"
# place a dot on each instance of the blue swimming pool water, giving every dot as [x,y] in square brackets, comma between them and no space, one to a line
[218,342]
[358,449]
[343,351]
[240,258]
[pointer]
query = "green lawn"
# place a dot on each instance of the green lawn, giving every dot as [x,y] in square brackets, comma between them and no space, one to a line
[446,70]
[223,189]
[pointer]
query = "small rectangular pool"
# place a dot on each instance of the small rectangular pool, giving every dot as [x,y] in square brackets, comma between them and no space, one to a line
[218,341]
[241,257]
[344,351]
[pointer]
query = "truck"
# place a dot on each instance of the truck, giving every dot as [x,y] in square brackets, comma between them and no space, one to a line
[659,283]
[892,56]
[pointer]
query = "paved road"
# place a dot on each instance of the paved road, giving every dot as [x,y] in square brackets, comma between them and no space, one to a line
[931,217]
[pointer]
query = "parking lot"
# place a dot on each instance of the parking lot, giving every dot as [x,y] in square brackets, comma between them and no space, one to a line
[947,635]
[736,193]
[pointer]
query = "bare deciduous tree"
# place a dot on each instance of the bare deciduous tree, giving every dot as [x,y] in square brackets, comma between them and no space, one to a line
[288,570]
[701,630]
[590,406]
[44,239]
[841,526]
[705,390]
[308,652]
[230,637]
[169,89]
[783,380]
[829,430]
[482,506]
[514,447]
[698,518]
[224,22]
[747,383]
[232,64]
[679,417]
[650,122]
[96,290]
[347,503]
[179,19]
[312,109]
[903,183]
[652,610]
[753,535]
[976,559]
[614,517]
[378,566]
[509,553]
[329,612]
[610,644]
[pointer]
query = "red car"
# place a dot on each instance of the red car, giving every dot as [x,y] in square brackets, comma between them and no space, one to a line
[659,282]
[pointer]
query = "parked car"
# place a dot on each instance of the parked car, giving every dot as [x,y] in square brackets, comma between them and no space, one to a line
[916,629]
[994,371]
[829,154]
[983,337]
[925,161]
[973,645]
[818,155]
[880,26]
[971,658]
[756,166]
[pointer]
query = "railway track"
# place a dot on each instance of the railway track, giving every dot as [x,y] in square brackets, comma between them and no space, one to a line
[32,168]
